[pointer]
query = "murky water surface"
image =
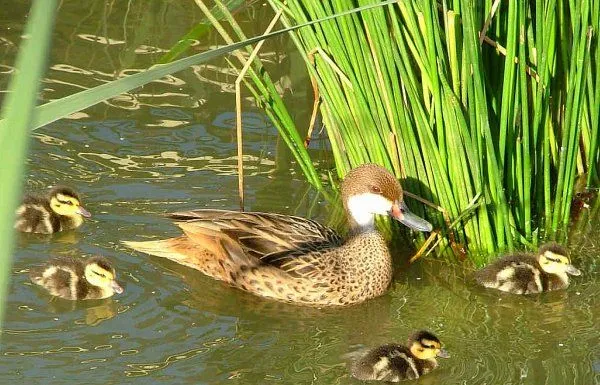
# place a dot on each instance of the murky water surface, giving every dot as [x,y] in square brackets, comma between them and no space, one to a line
[171,146]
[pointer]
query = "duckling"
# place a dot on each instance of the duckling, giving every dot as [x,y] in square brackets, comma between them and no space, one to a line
[526,273]
[394,362]
[75,279]
[60,210]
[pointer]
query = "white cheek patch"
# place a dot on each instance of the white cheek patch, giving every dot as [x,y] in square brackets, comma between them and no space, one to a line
[362,207]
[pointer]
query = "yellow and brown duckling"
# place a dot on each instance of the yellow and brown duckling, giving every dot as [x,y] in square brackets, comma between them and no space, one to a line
[75,279]
[295,259]
[60,210]
[395,362]
[527,273]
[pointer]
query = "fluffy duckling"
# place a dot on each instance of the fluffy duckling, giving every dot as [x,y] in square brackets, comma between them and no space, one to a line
[526,273]
[60,210]
[394,362]
[74,279]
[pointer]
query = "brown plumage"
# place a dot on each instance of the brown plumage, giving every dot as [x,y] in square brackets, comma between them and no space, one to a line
[60,210]
[75,279]
[528,273]
[394,362]
[291,258]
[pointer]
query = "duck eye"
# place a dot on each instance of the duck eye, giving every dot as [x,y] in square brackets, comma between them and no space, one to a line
[100,274]
[375,189]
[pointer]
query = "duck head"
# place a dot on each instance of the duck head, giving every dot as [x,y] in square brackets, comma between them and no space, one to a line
[554,259]
[426,346]
[100,273]
[65,201]
[370,189]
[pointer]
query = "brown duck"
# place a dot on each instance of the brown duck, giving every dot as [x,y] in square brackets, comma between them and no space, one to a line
[295,259]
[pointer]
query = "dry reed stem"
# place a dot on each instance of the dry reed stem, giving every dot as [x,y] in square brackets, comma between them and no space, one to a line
[316,102]
[499,48]
[530,71]
[238,109]
[311,57]
[488,22]
[430,239]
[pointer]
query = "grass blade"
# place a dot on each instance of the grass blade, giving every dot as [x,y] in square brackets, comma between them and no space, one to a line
[18,113]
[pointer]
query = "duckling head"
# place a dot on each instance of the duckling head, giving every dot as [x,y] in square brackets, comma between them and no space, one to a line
[370,189]
[65,201]
[426,346]
[99,272]
[554,259]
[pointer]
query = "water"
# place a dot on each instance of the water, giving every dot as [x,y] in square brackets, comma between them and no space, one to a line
[170,146]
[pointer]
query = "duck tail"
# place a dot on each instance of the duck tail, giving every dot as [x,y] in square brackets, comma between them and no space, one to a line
[161,248]
[188,253]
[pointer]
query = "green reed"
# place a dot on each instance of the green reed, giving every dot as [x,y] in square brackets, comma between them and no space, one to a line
[512,115]
[17,114]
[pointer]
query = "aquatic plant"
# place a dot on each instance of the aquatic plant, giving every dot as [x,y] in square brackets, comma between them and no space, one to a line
[17,113]
[462,99]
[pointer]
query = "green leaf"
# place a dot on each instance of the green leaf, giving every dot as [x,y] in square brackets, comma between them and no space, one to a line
[63,107]
[18,112]
[185,42]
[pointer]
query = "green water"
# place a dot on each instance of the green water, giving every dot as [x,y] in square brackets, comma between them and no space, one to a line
[171,146]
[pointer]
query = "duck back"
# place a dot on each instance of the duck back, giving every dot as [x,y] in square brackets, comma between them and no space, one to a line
[35,216]
[519,273]
[392,363]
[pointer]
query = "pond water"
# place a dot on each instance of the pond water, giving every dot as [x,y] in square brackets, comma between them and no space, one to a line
[170,146]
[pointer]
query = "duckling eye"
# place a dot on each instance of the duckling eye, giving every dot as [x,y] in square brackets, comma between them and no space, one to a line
[375,189]
[100,274]
[65,202]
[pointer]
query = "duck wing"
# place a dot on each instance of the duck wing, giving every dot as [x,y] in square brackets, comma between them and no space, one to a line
[286,242]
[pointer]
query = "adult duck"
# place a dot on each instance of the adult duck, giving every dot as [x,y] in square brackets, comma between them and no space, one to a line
[295,259]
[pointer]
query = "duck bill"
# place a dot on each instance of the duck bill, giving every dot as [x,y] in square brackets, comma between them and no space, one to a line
[116,287]
[443,353]
[82,211]
[402,214]
[572,270]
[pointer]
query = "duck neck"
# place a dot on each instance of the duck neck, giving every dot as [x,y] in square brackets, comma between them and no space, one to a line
[361,223]
[70,222]
[361,209]
[563,277]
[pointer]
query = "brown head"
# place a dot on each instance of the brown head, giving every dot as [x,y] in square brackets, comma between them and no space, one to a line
[65,201]
[425,345]
[370,189]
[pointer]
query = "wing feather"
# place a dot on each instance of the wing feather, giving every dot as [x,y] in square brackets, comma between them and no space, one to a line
[292,244]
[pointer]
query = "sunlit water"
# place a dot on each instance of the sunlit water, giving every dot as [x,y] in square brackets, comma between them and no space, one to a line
[170,146]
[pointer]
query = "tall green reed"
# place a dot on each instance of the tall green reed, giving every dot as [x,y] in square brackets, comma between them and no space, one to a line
[17,114]
[514,119]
